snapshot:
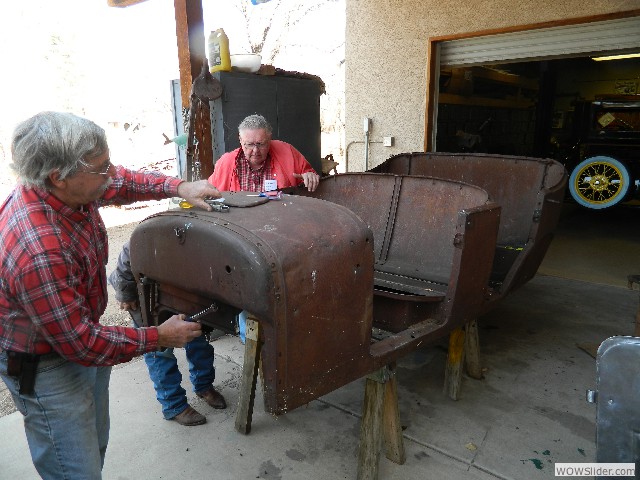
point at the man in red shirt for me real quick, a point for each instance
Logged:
(55, 356)
(262, 164)
(259, 165)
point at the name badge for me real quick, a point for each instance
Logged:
(270, 185)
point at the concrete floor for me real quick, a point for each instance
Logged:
(528, 413)
(595, 246)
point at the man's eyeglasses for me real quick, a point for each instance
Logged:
(104, 171)
(251, 146)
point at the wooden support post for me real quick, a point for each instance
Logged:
(472, 350)
(249, 376)
(455, 359)
(191, 43)
(191, 56)
(379, 418)
(393, 444)
(370, 431)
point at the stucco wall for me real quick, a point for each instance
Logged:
(386, 58)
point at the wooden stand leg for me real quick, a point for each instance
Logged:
(455, 358)
(472, 350)
(370, 431)
(379, 417)
(249, 376)
(394, 446)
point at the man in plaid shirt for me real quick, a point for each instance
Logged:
(55, 356)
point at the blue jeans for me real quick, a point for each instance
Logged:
(166, 377)
(66, 420)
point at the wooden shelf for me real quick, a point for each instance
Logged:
(461, 88)
(453, 99)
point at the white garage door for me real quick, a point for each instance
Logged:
(619, 35)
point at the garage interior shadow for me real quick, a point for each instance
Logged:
(596, 246)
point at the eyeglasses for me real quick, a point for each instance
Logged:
(251, 146)
(105, 171)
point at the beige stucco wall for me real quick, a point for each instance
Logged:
(386, 58)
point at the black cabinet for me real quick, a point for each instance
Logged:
(290, 104)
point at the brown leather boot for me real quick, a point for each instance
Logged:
(189, 417)
(213, 398)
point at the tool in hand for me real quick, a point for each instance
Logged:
(196, 316)
(216, 205)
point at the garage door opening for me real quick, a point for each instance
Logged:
(542, 93)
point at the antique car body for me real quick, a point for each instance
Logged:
(530, 192)
(604, 156)
(308, 268)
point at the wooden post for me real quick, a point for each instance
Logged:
(191, 57)
(379, 418)
(249, 379)
(191, 44)
(370, 431)
(394, 446)
(455, 358)
(472, 350)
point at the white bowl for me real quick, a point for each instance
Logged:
(246, 62)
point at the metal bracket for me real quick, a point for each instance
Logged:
(181, 232)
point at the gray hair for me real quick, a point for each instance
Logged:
(255, 122)
(51, 141)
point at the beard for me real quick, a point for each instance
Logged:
(106, 185)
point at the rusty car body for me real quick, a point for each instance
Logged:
(530, 192)
(319, 276)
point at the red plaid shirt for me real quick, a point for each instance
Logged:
(252, 180)
(53, 287)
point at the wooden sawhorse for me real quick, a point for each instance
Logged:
(380, 416)
(464, 349)
(380, 419)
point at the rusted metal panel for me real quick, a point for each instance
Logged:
(529, 190)
(296, 264)
(307, 269)
(432, 240)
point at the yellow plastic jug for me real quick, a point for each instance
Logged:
(219, 57)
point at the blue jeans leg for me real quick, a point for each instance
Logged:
(200, 355)
(66, 420)
(166, 377)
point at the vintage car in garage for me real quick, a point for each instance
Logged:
(604, 162)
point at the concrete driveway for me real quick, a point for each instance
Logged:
(528, 413)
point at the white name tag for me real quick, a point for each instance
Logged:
(270, 185)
